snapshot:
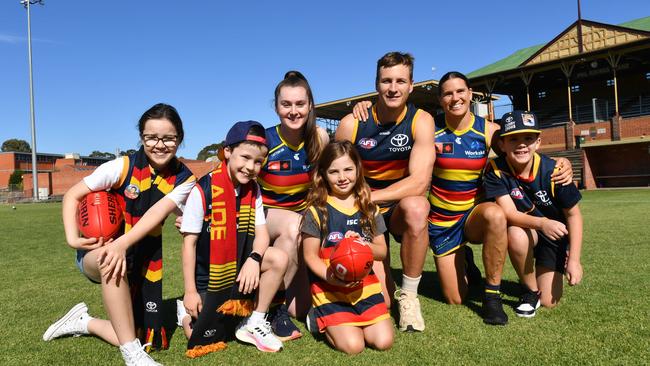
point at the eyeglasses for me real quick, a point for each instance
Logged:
(152, 140)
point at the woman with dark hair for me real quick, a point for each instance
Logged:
(149, 184)
(294, 146)
(457, 215)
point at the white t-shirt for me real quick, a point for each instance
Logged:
(194, 213)
(108, 175)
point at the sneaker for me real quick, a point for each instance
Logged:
(181, 313)
(134, 354)
(311, 323)
(410, 316)
(493, 310)
(282, 325)
(259, 334)
(474, 276)
(72, 323)
(528, 303)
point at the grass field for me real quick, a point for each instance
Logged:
(605, 320)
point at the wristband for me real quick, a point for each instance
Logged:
(256, 257)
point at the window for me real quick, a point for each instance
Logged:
(575, 88)
(610, 82)
(541, 94)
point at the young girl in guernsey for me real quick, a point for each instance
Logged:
(352, 315)
(150, 184)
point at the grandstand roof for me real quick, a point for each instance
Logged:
(526, 55)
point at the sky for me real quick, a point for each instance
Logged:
(98, 65)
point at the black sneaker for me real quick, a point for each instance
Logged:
(282, 325)
(310, 322)
(528, 303)
(493, 310)
(474, 276)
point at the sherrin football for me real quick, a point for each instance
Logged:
(351, 260)
(99, 215)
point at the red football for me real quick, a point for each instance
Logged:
(99, 215)
(351, 260)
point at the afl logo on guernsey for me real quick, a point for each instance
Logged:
(516, 194)
(367, 143)
(335, 237)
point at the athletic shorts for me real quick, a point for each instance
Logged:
(80, 263)
(551, 254)
(444, 240)
(387, 215)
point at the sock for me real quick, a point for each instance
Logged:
(256, 317)
(410, 284)
(84, 320)
(492, 289)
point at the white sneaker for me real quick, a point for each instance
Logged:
(72, 323)
(134, 354)
(181, 313)
(410, 316)
(259, 334)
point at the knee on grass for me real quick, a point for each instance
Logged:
(351, 345)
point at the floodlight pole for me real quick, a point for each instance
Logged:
(27, 3)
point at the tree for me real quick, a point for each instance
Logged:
(127, 152)
(99, 154)
(16, 145)
(16, 179)
(208, 151)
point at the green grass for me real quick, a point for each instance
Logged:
(605, 320)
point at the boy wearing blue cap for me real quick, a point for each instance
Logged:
(544, 220)
(228, 268)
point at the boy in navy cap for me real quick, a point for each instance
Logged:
(544, 220)
(228, 268)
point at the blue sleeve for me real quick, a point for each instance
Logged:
(567, 196)
(493, 185)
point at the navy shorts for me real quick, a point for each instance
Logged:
(445, 239)
(551, 254)
(387, 215)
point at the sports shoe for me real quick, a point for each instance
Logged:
(134, 354)
(72, 323)
(259, 334)
(310, 321)
(410, 316)
(282, 325)
(474, 276)
(493, 310)
(528, 303)
(181, 313)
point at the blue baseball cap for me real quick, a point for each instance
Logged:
(519, 122)
(240, 132)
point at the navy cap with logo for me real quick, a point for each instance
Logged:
(519, 122)
(240, 132)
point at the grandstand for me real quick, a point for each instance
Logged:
(589, 86)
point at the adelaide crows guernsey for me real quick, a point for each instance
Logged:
(536, 194)
(385, 147)
(284, 178)
(461, 156)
